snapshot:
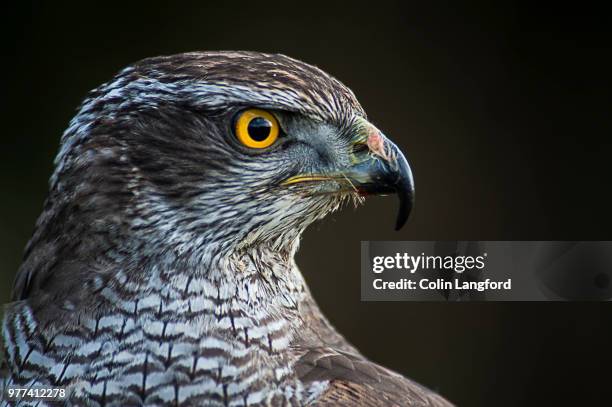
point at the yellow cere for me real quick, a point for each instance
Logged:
(256, 128)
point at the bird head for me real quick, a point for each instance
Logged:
(207, 150)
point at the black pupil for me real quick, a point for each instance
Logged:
(259, 128)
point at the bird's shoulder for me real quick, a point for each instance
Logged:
(353, 380)
(346, 393)
(344, 377)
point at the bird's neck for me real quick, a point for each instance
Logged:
(231, 287)
(239, 294)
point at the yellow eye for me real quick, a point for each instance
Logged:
(256, 128)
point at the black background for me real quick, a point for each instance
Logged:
(502, 111)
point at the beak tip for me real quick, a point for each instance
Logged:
(405, 208)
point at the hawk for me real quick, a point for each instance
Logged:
(161, 270)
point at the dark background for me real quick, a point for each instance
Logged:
(501, 110)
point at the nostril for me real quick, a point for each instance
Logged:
(376, 144)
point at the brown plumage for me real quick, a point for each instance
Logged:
(161, 270)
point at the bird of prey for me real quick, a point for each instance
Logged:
(161, 270)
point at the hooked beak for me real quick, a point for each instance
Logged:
(379, 169)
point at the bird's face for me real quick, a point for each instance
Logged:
(234, 148)
(287, 170)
